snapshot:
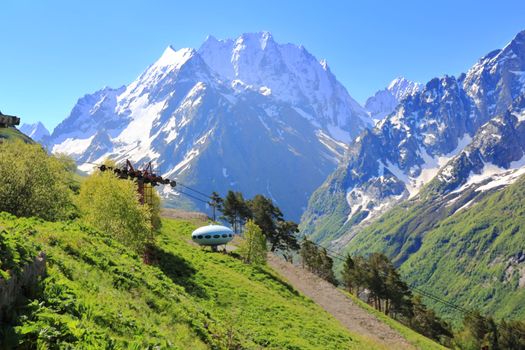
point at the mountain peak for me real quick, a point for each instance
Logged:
(176, 58)
(385, 101)
(396, 82)
(517, 44)
(260, 39)
(36, 131)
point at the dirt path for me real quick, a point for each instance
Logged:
(340, 306)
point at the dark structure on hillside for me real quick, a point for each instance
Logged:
(143, 176)
(8, 120)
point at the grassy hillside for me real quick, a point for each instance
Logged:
(98, 294)
(12, 133)
(474, 257)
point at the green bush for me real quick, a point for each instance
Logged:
(253, 248)
(33, 182)
(112, 205)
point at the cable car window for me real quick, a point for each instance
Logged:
(224, 235)
(207, 236)
(199, 236)
(216, 236)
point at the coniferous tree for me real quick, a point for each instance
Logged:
(317, 261)
(229, 209)
(325, 266)
(279, 233)
(243, 211)
(235, 210)
(286, 239)
(216, 203)
(425, 321)
(348, 274)
(511, 335)
(308, 253)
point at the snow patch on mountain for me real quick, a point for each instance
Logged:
(72, 146)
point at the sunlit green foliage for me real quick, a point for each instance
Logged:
(480, 332)
(416, 339)
(34, 183)
(253, 247)
(15, 252)
(100, 295)
(388, 293)
(112, 205)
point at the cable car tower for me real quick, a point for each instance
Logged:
(146, 178)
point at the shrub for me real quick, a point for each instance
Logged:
(112, 205)
(253, 249)
(33, 182)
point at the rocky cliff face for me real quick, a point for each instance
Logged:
(408, 148)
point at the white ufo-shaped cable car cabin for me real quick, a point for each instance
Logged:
(212, 235)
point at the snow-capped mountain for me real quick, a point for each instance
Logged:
(290, 74)
(248, 114)
(36, 131)
(385, 101)
(429, 133)
(494, 158)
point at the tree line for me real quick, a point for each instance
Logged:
(375, 280)
(481, 332)
(280, 234)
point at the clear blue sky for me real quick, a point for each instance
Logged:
(53, 52)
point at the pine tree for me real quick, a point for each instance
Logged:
(285, 238)
(348, 274)
(308, 253)
(229, 210)
(279, 233)
(216, 203)
(325, 266)
(235, 210)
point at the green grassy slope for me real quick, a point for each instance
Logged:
(474, 257)
(12, 133)
(98, 294)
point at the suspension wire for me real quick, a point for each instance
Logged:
(194, 190)
(192, 196)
